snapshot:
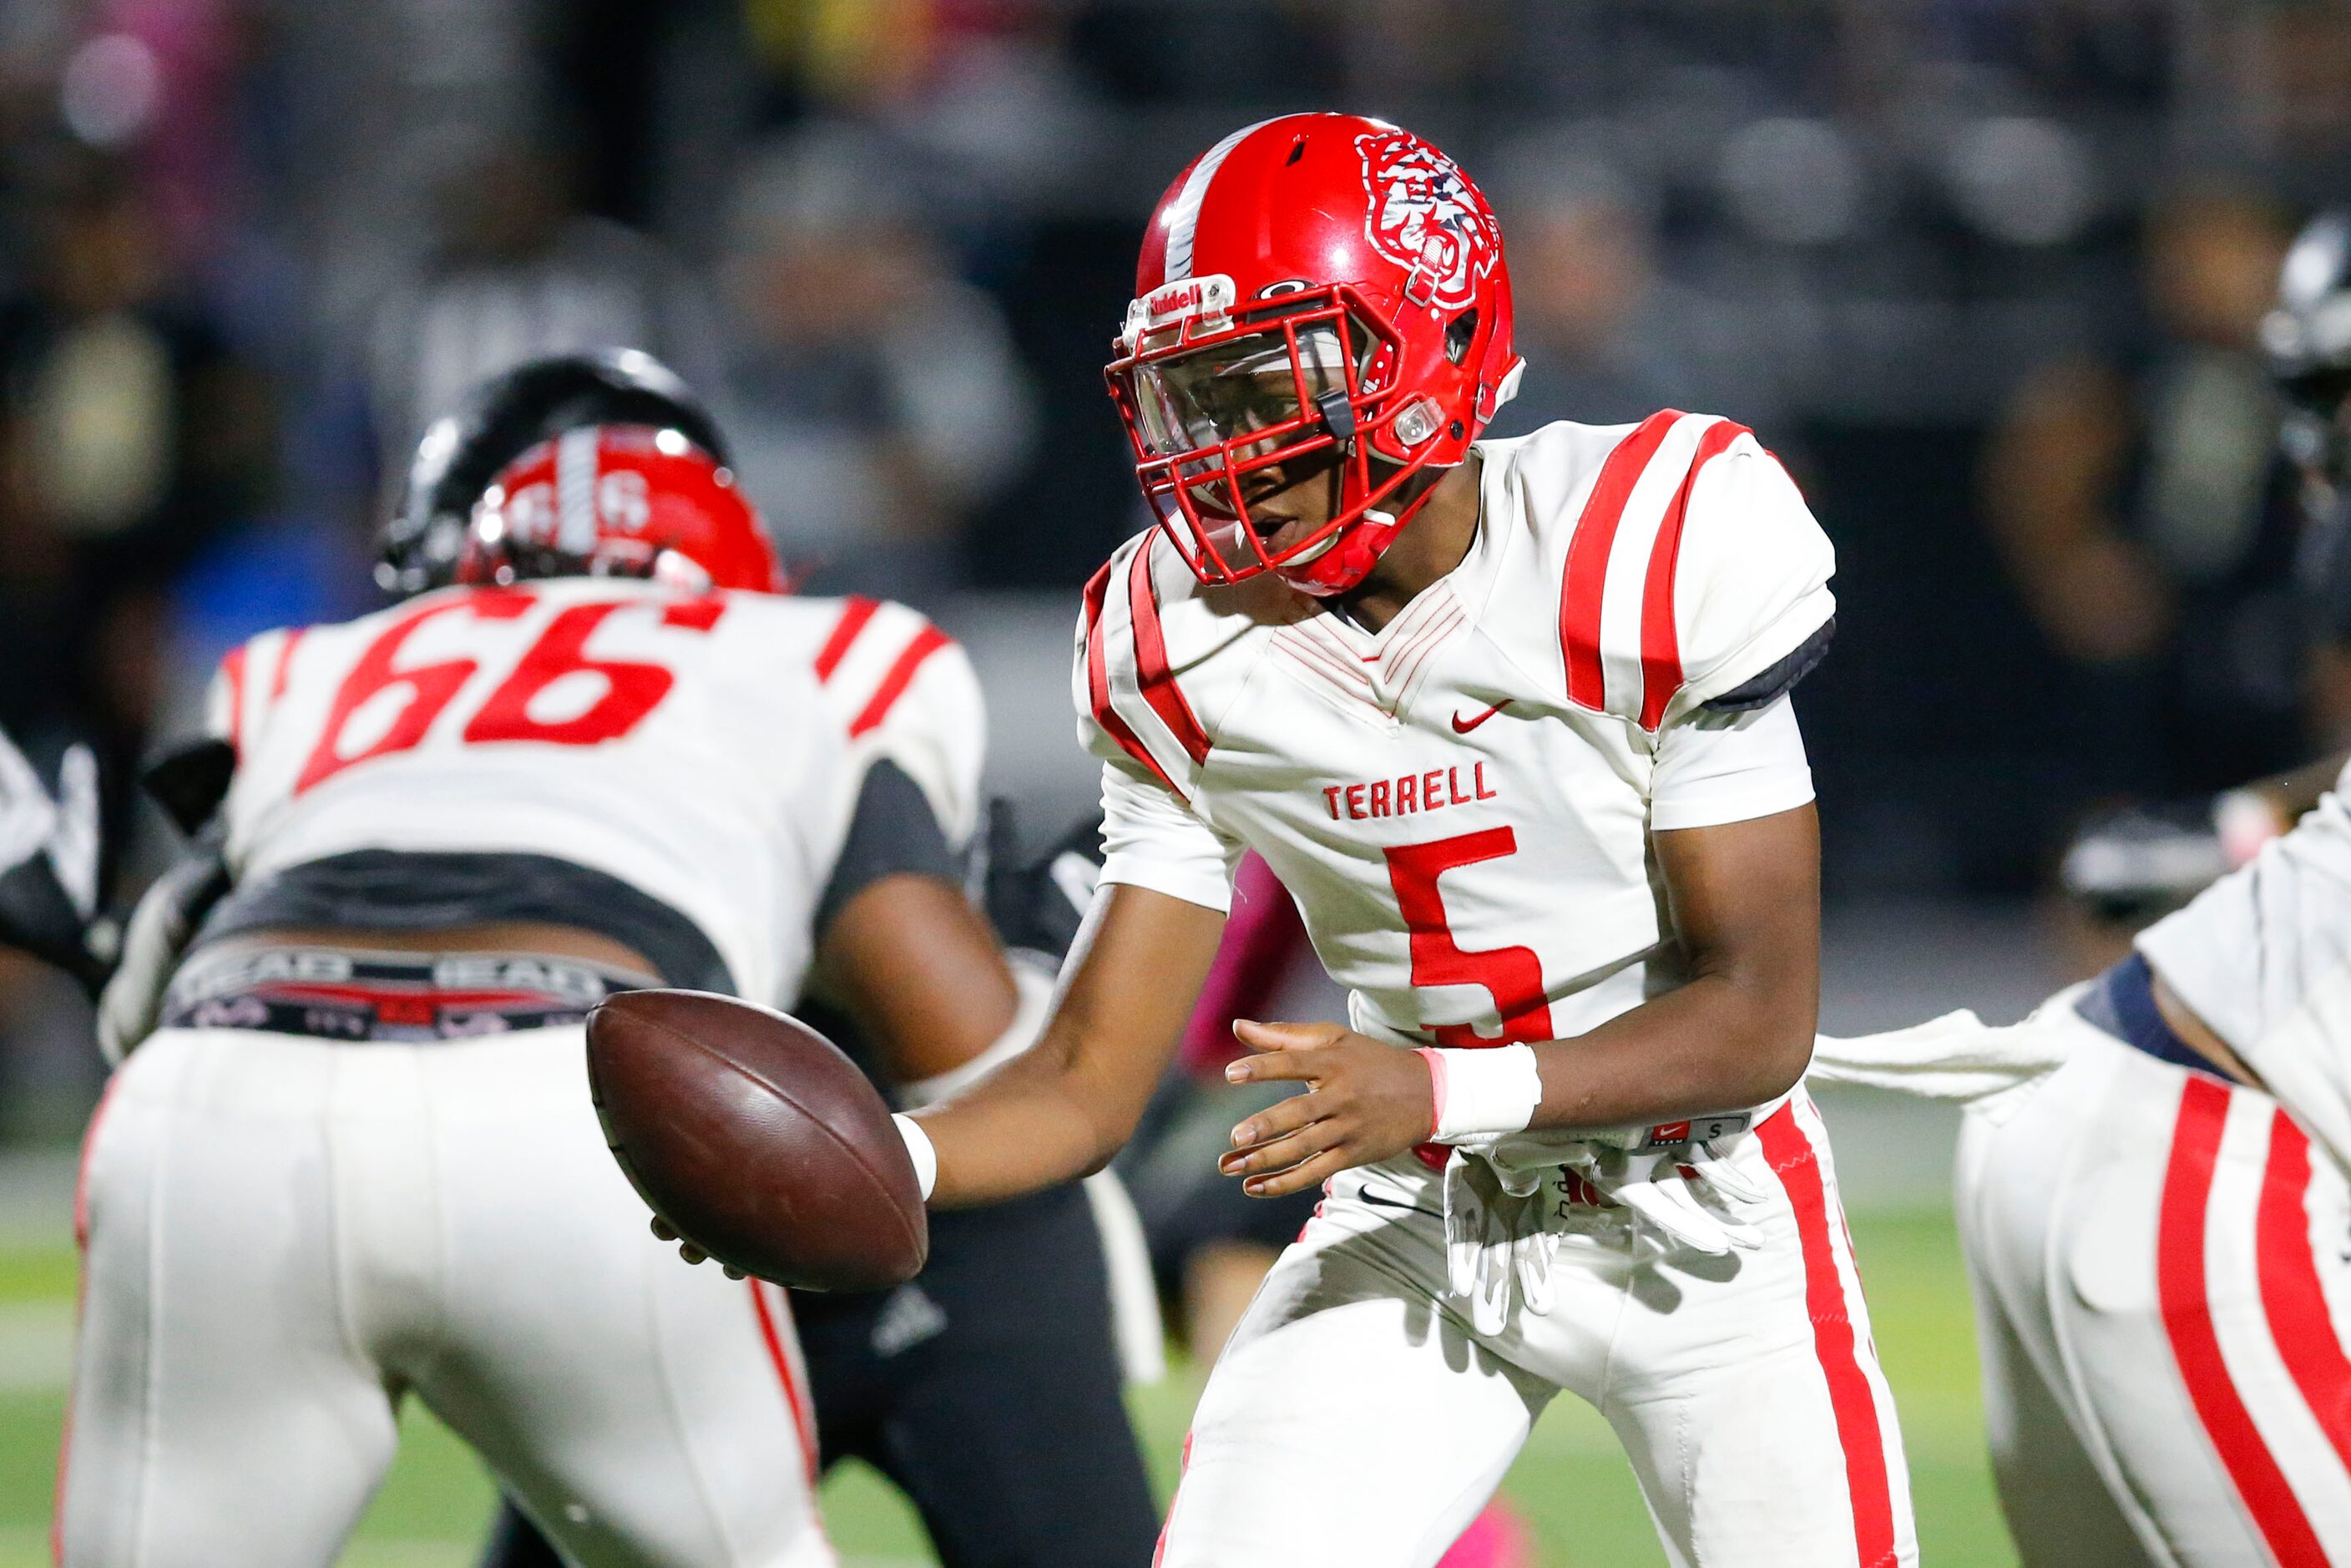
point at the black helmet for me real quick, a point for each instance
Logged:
(501, 419)
(2306, 342)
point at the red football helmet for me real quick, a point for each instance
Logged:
(619, 500)
(1319, 288)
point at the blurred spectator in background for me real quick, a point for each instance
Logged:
(2146, 520)
(875, 401)
(1607, 339)
(517, 270)
(1585, 292)
(130, 439)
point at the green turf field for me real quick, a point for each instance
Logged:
(1570, 1483)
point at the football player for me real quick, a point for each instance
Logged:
(2152, 1185)
(1510, 720)
(358, 1158)
(933, 1384)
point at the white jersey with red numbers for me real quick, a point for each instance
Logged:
(1462, 803)
(1462, 806)
(706, 750)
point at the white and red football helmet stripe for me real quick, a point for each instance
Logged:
(1179, 223)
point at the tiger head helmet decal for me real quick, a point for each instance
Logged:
(1426, 215)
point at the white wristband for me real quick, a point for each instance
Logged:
(919, 1149)
(1484, 1090)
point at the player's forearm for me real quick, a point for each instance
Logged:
(1062, 1108)
(1039, 1120)
(1720, 1042)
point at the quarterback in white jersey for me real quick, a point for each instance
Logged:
(358, 1158)
(1511, 721)
(2154, 1189)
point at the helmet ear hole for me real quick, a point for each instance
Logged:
(1459, 335)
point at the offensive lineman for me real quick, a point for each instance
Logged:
(359, 1160)
(2152, 1184)
(1510, 720)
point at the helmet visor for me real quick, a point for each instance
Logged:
(1247, 386)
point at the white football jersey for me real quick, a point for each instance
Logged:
(708, 751)
(1462, 803)
(2263, 956)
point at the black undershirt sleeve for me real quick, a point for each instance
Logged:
(893, 832)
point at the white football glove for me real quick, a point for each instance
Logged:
(1498, 1243)
(64, 830)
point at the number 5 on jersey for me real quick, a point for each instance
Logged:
(632, 688)
(1512, 976)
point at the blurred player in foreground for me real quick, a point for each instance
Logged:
(358, 1157)
(2155, 1168)
(934, 1384)
(1511, 721)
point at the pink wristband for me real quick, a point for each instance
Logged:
(1436, 1060)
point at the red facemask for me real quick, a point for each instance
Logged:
(1321, 299)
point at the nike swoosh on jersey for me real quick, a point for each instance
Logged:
(1460, 727)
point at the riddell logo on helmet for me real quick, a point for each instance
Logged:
(1176, 299)
(1207, 298)
(1425, 216)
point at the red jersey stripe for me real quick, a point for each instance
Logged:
(1851, 1400)
(2180, 1291)
(1427, 629)
(700, 614)
(284, 663)
(855, 614)
(1098, 683)
(927, 641)
(1151, 671)
(233, 671)
(2291, 1294)
(794, 1400)
(1586, 580)
(1409, 670)
(1343, 672)
(1661, 653)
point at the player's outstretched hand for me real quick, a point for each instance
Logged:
(1364, 1101)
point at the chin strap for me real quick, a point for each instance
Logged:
(1346, 546)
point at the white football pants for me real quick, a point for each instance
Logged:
(1356, 1421)
(2162, 1297)
(284, 1236)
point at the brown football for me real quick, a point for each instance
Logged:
(757, 1140)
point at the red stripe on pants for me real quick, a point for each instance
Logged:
(82, 1289)
(2186, 1306)
(1851, 1400)
(793, 1398)
(1159, 1549)
(2291, 1295)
